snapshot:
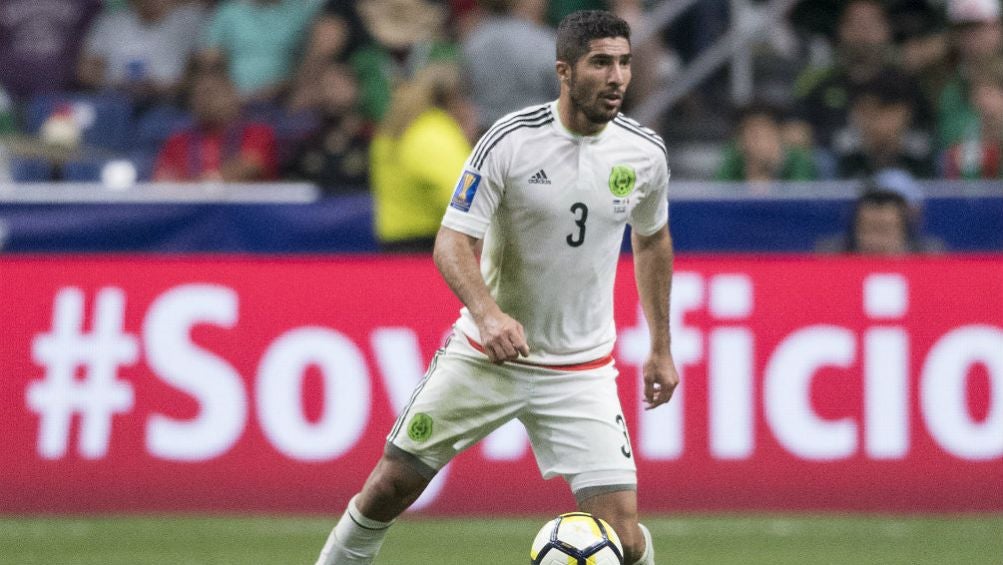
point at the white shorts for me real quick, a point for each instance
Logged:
(573, 417)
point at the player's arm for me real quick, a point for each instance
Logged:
(653, 258)
(502, 337)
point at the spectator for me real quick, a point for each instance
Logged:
(882, 135)
(8, 126)
(335, 157)
(864, 50)
(143, 49)
(629, 10)
(464, 15)
(39, 43)
(921, 34)
(417, 155)
(882, 223)
(758, 153)
(8, 113)
(981, 156)
(336, 33)
(218, 147)
(975, 35)
(385, 42)
(259, 40)
(510, 59)
(698, 27)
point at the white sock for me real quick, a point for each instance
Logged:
(355, 540)
(648, 557)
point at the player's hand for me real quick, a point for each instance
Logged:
(502, 337)
(660, 380)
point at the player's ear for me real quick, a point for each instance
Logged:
(563, 71)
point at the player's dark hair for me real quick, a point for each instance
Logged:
(577, 29)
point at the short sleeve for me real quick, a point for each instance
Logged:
(478, 191)
(651, 212)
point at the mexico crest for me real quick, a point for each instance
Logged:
(621, 180)
(420, 427)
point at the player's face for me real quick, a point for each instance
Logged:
(598, 80)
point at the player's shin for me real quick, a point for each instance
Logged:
(648, 557)
(355, 540)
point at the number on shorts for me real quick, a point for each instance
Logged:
(625, 448)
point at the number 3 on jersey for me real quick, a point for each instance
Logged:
(581, 212)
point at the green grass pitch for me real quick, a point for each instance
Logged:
(740, 539)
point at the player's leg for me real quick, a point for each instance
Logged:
(619, 509)
(394, 484)
(461, 400)
(578, 431)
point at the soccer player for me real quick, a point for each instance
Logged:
(549, 190)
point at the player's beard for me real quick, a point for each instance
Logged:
(589, 102)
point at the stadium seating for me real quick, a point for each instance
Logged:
(84, 170)
(144, 161)
(157, 124)
(23, 169)
(153, 128)
(105, 120)
(291, 128)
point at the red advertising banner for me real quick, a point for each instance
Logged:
(140, 383)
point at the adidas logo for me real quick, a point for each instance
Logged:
(539, 178)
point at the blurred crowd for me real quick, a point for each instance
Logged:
(910, 86)
(387, 96)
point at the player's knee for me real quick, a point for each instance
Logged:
(407, 491)
(386, 490)
(397, 488)
(407, 482)
(391, 489)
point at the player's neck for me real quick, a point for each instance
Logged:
(574, 120)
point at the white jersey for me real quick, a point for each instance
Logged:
(551, 207)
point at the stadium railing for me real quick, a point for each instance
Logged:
(295, 218)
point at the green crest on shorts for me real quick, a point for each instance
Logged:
(621, 180)
(420, 427)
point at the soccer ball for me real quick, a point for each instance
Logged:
(576, 538)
